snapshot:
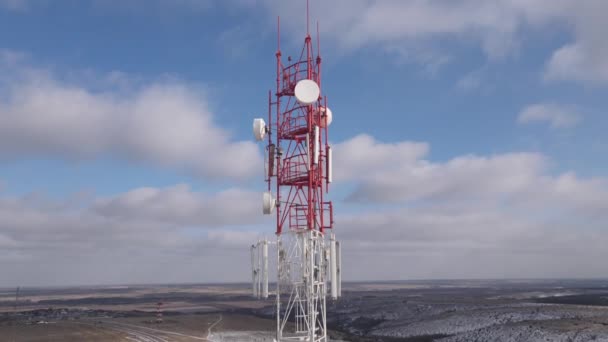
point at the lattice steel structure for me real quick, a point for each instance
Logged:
(159, 312)
(298, 174)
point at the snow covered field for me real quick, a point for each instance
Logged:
(522, 312)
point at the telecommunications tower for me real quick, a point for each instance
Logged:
(298, 172)
(159, 312)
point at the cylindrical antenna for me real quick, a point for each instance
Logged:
(333, 262)
(307, 21)
(271, 158)
(329, 166)
(278, 33)
(270, 129)
(339, 269)
(316, 146)
(257, 270)
(253, 272)
(265, 269)
(318, 41)
(307, 152)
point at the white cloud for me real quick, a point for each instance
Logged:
(179, 205)
(576, 62)
(388, 172)
(363, 155)
(400, 172)
(127, 238)
(414, 29)
(165, 123)
(557, 116)
(498, 27)
(439, 218)
(532, 239)
(585, 59)
(494, 24)
(505, 215)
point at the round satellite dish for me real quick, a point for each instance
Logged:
(326, 117)
(259, 129)
(307, 91)
(268, 202)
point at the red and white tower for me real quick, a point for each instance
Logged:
(298, 172)
(159, 312)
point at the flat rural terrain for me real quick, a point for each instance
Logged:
(523, 310)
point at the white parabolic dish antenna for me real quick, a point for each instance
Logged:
(259, 129)
(268, 203)
(326, 117)
(307, 91)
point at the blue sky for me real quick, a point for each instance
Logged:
(190, 44)
(476, 113)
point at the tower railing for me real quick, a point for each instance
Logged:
(295, 169)
(292, 74)
(293, 123)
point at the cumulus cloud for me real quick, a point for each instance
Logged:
(415, 29)
(171, 234)
(179, 205)
(464, 239)
(585, 59)
(439, 218)
(388, 172)
(165, 123)
(521, 180)
(362, 154)
(503, 215)
(555, 115)
(498, 27)
(357, 23)
(126, 238)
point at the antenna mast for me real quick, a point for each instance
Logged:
(298, 172)
(17, 297)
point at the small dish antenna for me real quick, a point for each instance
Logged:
(307, 91)
(326, 117)
(269, 202)
(259, 129)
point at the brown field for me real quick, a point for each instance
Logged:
(445, 311)
(142, 328)
(62, 331)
